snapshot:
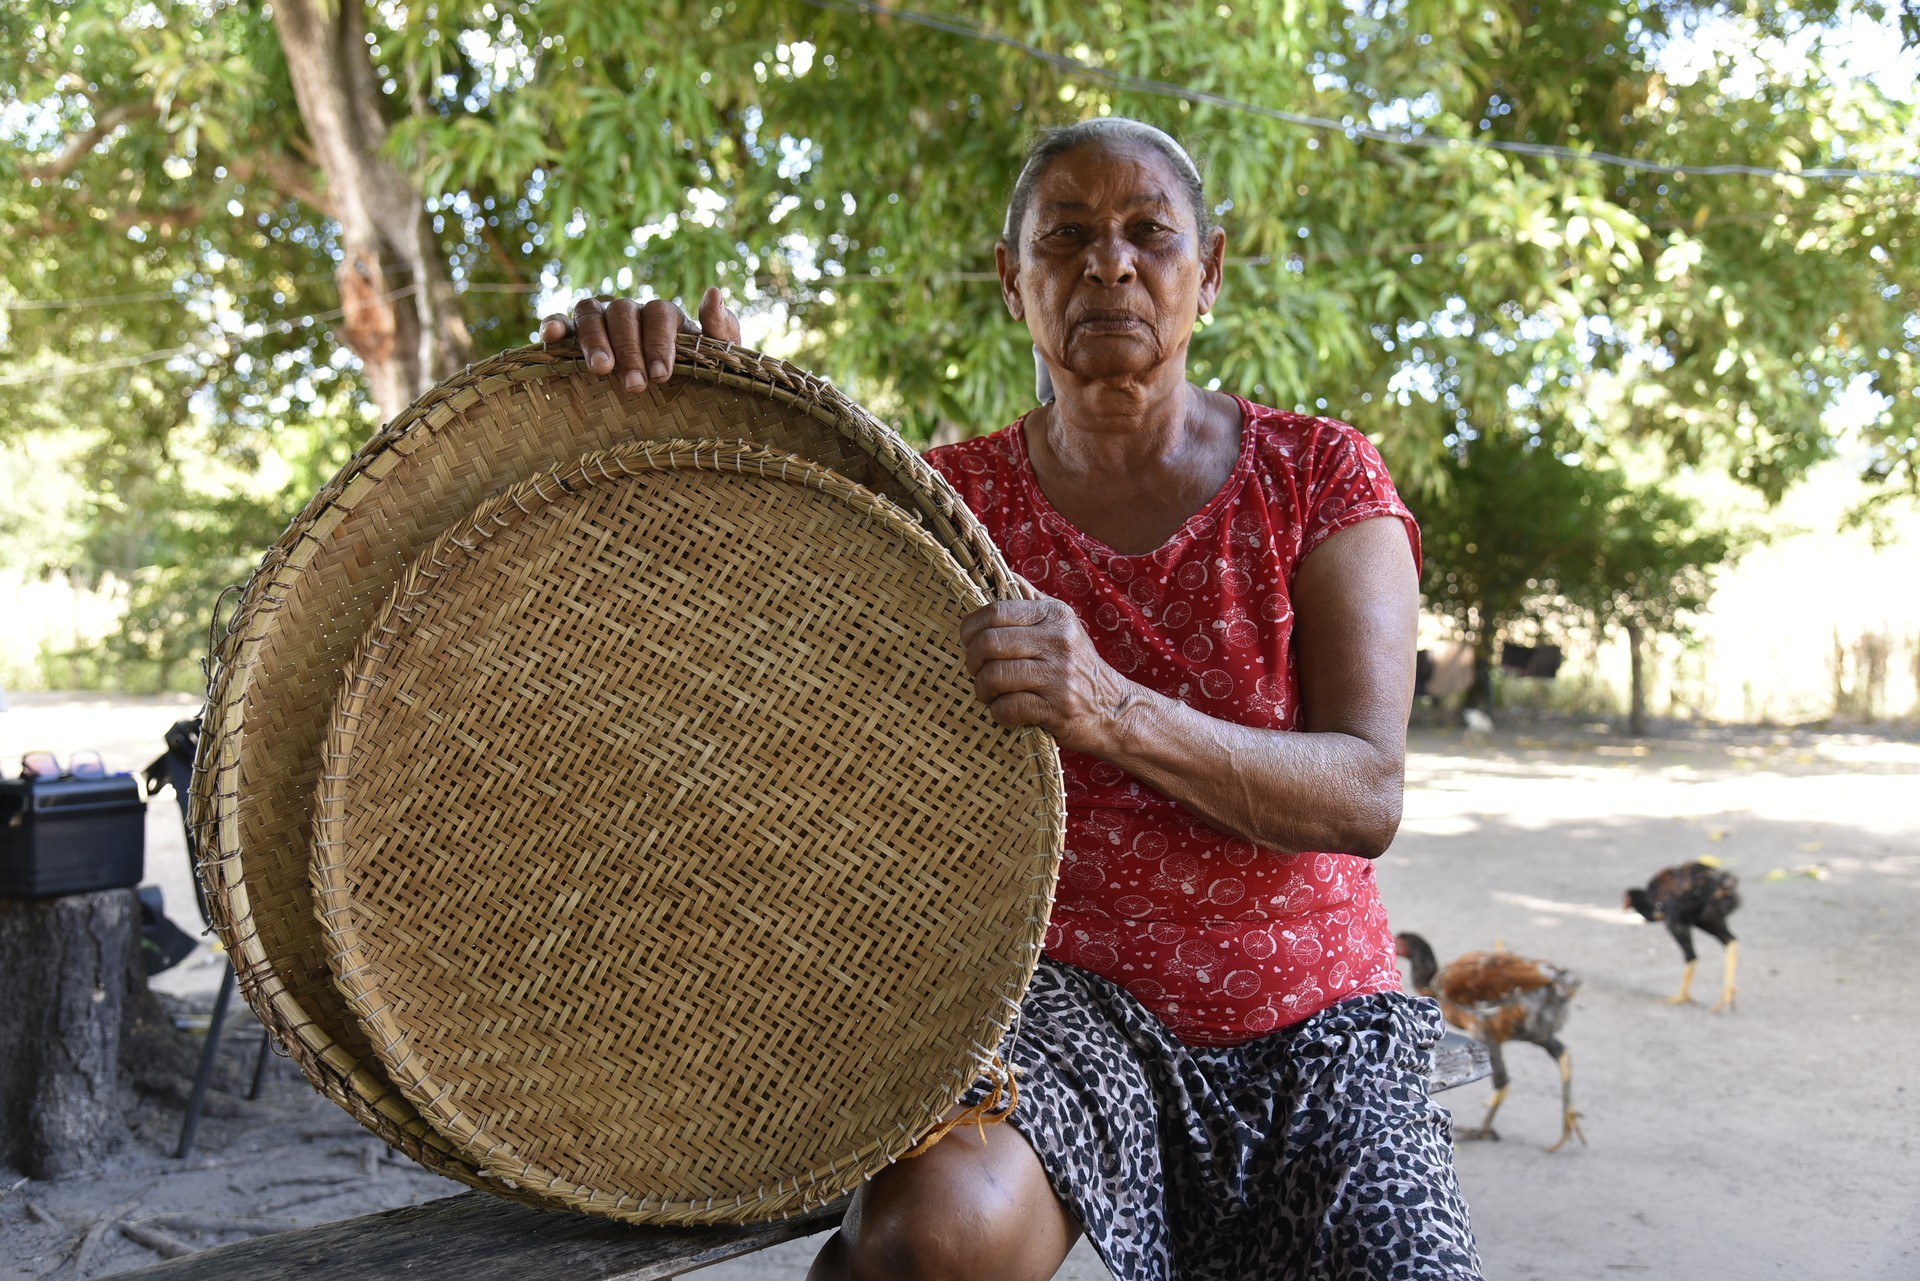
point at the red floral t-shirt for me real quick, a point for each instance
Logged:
(1223, 940)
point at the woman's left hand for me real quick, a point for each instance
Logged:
(1034, 664)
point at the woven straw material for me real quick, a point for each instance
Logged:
(662, 847)
(278, 666)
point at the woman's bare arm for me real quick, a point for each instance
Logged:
(1333, 784)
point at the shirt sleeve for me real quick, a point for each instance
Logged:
(1345, 483)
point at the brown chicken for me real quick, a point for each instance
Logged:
(1496, 997)
(1691, 896)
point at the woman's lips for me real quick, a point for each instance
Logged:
(1108, 322)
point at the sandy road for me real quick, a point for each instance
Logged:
(1781, 1140)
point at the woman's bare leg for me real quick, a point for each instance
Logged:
(964, 1211)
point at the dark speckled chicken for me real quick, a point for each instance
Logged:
(1496, 997)
(1690, 896)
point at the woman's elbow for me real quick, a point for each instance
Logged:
(1375, 818)
(1377, 830)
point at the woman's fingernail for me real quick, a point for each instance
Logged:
(634, 382)
(658, 370)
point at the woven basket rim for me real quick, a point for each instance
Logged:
(357, 975)
(363, 1089)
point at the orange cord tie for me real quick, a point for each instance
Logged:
(992, 1110)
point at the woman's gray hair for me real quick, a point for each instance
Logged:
(1102, 131)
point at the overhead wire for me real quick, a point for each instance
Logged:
(1116, 79)
(207, 345)
(108, 300)
(1303, 257)
(1347, 128)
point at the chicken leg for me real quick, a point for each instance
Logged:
(1498, 1062)
(1569, 1119)
(1685, 995)
(1726, 979)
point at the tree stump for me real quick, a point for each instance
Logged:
(63, 981)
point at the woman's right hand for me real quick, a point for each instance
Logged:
(634, 341)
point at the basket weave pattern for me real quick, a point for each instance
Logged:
(666, 998)
(300, 618)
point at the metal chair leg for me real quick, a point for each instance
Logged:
(260, 1063)
(204, 1077)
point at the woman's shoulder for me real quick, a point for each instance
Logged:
(1306, 444)
(1283, 430)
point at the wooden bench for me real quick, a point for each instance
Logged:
(475, 1235)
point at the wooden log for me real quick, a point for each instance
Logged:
(462, 1237)
(63, 968)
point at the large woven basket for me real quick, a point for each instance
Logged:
(661, 845)
(278, 666)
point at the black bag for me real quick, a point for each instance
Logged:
(71, 835)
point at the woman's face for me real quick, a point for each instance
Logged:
(1111, 273)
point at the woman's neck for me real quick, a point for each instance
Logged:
(1101, 428)
(1131, 472)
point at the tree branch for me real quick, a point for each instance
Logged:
(82, 144)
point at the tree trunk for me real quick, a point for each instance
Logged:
(1480, 693)
(401, 316)
(63, 968)
(1637, 704)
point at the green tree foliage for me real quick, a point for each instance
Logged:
(1520, 532)
(1508, 522)
(848, 167)
(1652, 574)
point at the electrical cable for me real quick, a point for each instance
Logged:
(150, 357)
(1397, 137)
(108, 300)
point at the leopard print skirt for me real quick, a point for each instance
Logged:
(1313, 1154)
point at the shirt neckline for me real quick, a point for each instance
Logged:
(1222, 497)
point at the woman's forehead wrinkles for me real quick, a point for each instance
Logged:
(1066, 203)
(1070, 204)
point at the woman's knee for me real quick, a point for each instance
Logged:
(953, 1216)
(955, 1236)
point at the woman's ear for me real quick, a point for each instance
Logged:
(1213, 269)
(1009, 268)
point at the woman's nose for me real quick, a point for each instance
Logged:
(1110, 261)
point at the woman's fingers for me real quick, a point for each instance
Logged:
(589, 326)
(1014, 675)
(629, 354)
(1013, 613)
(716, 320)
(637, 342)
(661, 324)
(1033, 663)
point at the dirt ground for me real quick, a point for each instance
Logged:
(1782, 1139)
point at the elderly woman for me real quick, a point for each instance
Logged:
(1219, 1075)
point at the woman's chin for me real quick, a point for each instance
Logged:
(1101, 359)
